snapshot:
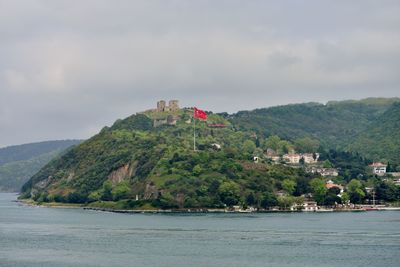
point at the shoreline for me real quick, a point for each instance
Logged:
(57, 205)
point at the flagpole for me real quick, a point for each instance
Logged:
(194, 133)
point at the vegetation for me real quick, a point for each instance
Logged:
(19, 163)
(381, 141)
(135, 165)
(368, 127)
(160, 166)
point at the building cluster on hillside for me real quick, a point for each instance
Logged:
(271, 154)
(380, 169)
(295, 158)
(308, 158)
(292, 157)
(325, 172)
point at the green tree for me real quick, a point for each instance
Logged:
(387, 191)
(257, 143)
(95, 196)
(327, 164)
(272, 142)
(269, 200)
(121, 191)
(107, 188)
(331, 197)
(285, 147)
(286, 202)
(249, 146)
(306, 145)
(355, 190)
(299, 202)
(318, 189)
(197, 170)
(229, 193)
(345, 197)
(289, 186)
(250, 199)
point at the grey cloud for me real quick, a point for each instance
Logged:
(68, 68)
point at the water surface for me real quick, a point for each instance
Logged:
(33, 236)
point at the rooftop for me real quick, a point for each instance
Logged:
(378, 164)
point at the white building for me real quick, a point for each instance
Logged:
(271, 154)
(216, 146)
(310, 206)
(378, 168)
(294, 158)
(325, 172)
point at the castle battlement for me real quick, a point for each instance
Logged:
(173, 105)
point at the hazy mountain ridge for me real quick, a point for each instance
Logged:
(19, 163)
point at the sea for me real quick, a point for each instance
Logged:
(38, 236)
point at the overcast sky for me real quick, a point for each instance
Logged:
(67, 68)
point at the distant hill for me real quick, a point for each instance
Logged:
(19, 163)
(380, 140)
(342, 125)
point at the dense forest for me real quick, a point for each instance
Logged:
(381, 139)
(135, 165)
(369, 127)
(19, 163)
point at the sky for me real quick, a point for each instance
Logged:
(68, 68)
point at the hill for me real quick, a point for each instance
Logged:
(380, 140)
(158, 165)
(19, 163)
(147, 160)
(341, 125)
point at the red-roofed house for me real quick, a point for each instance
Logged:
(331, 184)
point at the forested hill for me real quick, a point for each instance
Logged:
(157, 164)
(344, 125)
(19, 163)
(149, 156)
(381, 139)
(31, 150)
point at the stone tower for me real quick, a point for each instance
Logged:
(161, 106)
(173, 105)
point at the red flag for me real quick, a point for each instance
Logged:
(200, 114)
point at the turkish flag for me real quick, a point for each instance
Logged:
(200, 114)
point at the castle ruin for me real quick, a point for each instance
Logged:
(173, 105)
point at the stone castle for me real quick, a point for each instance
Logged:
(173, 105)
